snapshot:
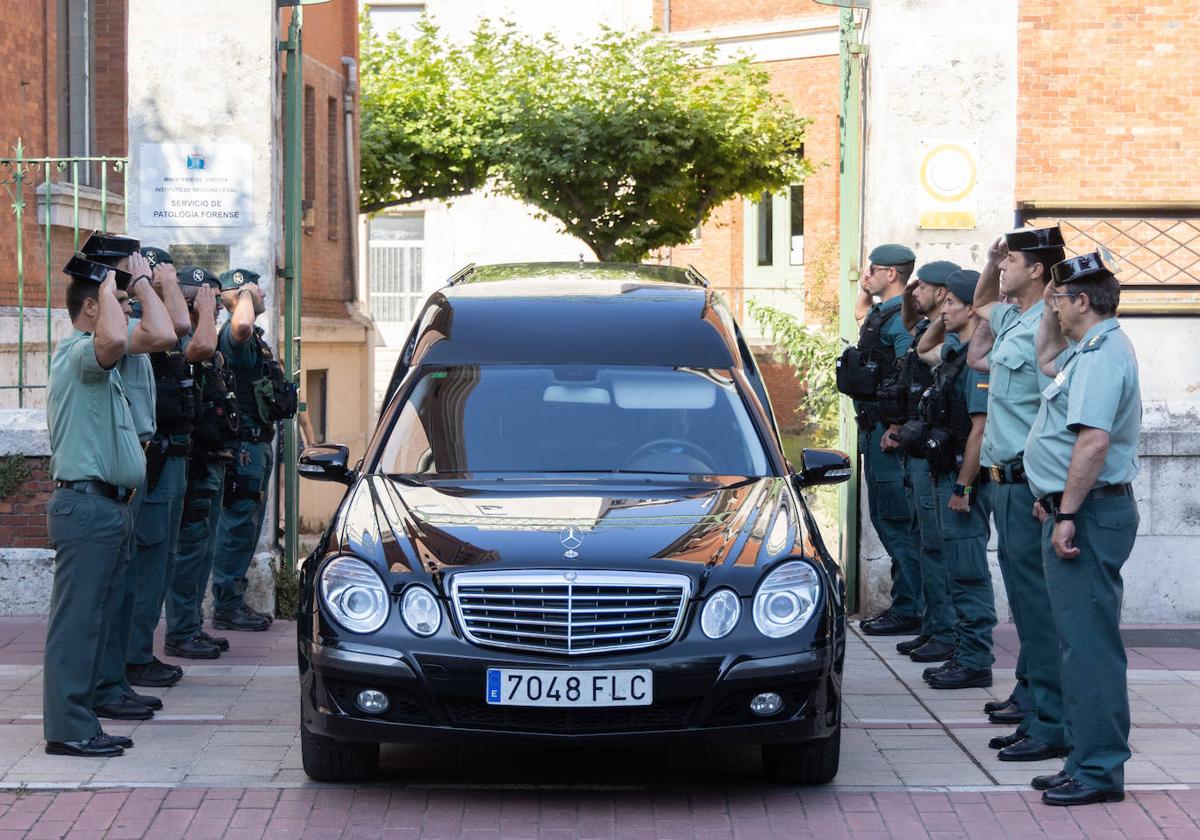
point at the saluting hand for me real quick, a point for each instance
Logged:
(206, 300)
(997, 251)
(108, 286)
(1063, 539)
(163, 273)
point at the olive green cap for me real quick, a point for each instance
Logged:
(935, 273)
(235, 278)
(194, 275)
(154, 256)
(892, 255)
(962, 284)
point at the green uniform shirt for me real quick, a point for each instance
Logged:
(92, 434)
(1016, 382)
(893, 334)
(1097, 387)
(137, 376)
(237, 356)
(970, 385)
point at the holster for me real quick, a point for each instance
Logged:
(156, 459)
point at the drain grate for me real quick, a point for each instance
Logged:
(1164, 637)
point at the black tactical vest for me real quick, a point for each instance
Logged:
(175, 398)
(264, 394)
(944, 409)
(900, 394)
(218, 419)
(862, 368)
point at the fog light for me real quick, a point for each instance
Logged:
(766, 704)
(374, 702)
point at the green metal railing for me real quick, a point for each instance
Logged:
(15, 173)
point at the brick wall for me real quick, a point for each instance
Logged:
(785, 391)
(109, 87)
(23, 511)
(701, 14)
(1111, 84)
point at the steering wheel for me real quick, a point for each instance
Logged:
(695, 450)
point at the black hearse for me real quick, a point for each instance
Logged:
(574, 523)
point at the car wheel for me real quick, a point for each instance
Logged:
(811, 763)
(327, 760)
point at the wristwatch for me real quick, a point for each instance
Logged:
(1060, 516)
(962, 489)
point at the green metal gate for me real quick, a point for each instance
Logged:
(50, 175)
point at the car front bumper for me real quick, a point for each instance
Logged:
(436, 696)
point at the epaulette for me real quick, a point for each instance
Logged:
(1093, 342)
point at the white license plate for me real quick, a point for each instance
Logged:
(520, 687)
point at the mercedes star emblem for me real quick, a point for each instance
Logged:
(571, 539)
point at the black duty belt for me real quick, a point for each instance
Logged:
(177, 450)
(99, 488)
(1010, 473)
(1051, 502)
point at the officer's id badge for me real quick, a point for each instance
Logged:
(198, 276)
(239, 278)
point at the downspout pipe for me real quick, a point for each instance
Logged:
(348, 95)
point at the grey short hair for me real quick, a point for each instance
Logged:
(1103, 295)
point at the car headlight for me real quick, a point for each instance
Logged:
(787, 599)
(420, 611)
(354, 595)
(720, 614)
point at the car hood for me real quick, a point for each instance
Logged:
(442, 526)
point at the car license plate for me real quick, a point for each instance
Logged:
(569, 689)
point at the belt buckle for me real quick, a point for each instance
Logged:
(996, 473)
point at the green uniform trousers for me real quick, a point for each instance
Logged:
(91, 537)
(964, 542)
(939, 619)
(153, 512)
(1085, 595)
(240, 524)
(195, 548)
(894, 519)
(1019, 539)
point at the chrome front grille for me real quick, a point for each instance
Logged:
(570, 612)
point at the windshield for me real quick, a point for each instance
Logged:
(571, 418)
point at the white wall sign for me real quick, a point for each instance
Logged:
(195, 184)
(946, 197)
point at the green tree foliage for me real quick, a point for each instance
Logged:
(812, 350)
(629, 140)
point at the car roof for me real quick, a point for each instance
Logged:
(577, 313)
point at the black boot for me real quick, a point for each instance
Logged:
(1051, 780)
(239, 619)
(147, 700)
(123, 708)
(1031, 749)
(219, 642)
(992, 705)
(1077, 793)
(891, 625)
(932, 651)
(1002, 741)
(193, 648)
(1012, 713)
(153, 673)
(912, 644)
(960, 676)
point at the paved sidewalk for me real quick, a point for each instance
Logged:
(222, 760)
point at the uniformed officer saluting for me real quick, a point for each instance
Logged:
(899, 402)
(264, 398)
(214, 433)
(861, 370)
(96, 462)
(1018, 267)
(955, 409)
(1080, 457)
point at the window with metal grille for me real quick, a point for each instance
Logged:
(396, 246)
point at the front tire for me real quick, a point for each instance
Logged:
(327, 760)
(810, 763)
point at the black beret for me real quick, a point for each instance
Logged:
(1034, 239)
(1097, 265)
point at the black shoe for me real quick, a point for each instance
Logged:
(123, 709)
(1002, 741)
(1051, 780)
(1031, 749)
(912, 644)
(219, 642)
(891, 625)
(239, 619)
(885, 614)
(939, 669)
(153, 674)
(95, 747)
(960, 676)
(932, 651)
(147, 700)
(119, 740)
(177, 669)
(270, 619)
(994, 705)
(1077, 793)
(193, 648)
(1009, 714)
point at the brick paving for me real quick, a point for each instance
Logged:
(222, 761)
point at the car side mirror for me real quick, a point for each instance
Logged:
(823, 466)
(326, 462)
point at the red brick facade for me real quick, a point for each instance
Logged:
(23, 511)
(701, 14)
(1106, 105)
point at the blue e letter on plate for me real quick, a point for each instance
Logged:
(493, 685)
